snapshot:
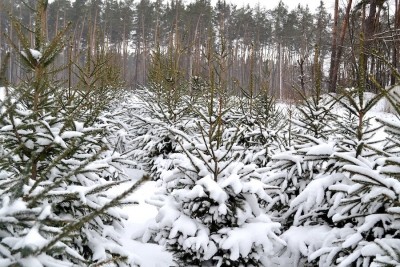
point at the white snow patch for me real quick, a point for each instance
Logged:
(148, 254)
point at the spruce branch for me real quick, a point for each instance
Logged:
(85, 219)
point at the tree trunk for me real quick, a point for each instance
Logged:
(336, 64)
(396, 42)
(280, 71)
(369, 30)
(332, 86)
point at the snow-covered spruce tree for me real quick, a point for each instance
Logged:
(383, 188)
(363, 209)
(360, 197)
(371, 204)
(166, 102)
(263, 123)
(311, 173)
(306, 158)
(213, 209)
(148, 121)
(54, 170)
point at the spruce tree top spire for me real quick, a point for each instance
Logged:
(37, 57)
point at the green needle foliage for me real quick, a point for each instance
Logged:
(55, 169)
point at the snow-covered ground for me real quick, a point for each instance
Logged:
(148, 254)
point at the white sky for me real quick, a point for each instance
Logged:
(312, 4)
(270, 4)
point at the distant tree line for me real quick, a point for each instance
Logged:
(260, 49)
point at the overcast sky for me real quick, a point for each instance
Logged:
(270, 4)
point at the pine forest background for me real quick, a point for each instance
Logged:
(255, 46)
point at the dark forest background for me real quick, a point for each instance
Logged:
(256, 49)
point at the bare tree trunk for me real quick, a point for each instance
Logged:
(332, 85)
(1, 35)
(280, 71)
(144, 55)
(10, 62)
(369, 26)
(300, 61)
(368, 30)
(191, 52)
(396, 42)
(343, 29)
(137, 61)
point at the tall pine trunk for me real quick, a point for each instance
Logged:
(338, 55)
(396, 42)
(332, 86)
